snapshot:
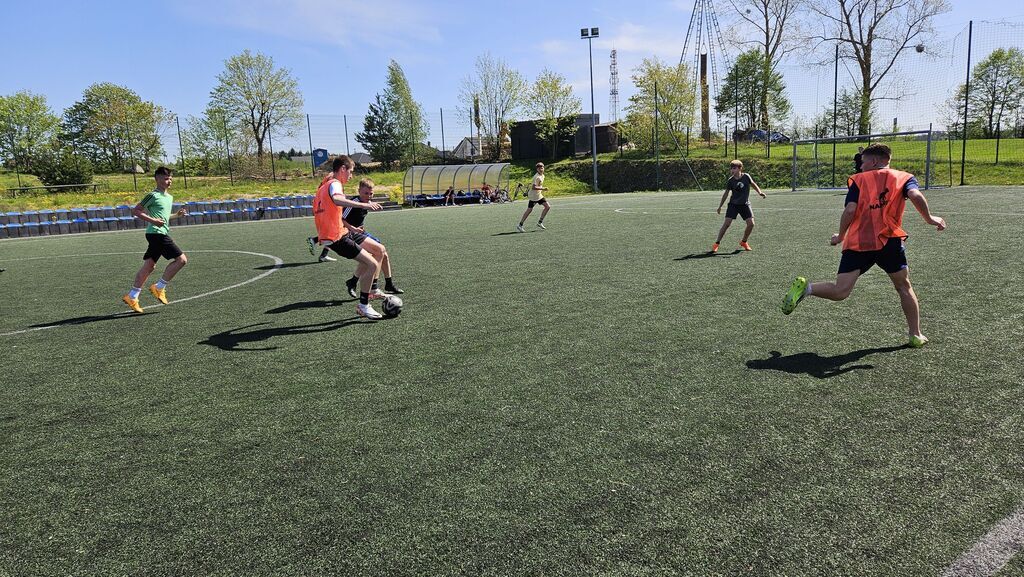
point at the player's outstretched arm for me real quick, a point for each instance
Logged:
(340, 200)
(921, 204)
(758, 189)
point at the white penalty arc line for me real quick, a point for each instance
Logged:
(277, 265)
(993, 551)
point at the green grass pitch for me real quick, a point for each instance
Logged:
(598, 398)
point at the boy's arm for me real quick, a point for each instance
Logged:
(758, 188)
(844, 222)
(921, 204)
(725, 195)
(340, 200)
(140, 213)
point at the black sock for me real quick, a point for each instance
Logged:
(374, 286)
(315, 239)
(324, 253)
(364, 298)
(352, 281)
(388, 281)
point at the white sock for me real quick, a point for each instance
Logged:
(807, 291)
(161, 284)
(134, 293)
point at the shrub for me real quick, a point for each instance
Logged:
(62, 168)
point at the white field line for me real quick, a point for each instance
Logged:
(993, 551)
(277, 265)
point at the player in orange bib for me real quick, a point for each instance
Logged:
(871, 231)
(332, 232)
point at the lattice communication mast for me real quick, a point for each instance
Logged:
(613, 91)
(704, 36)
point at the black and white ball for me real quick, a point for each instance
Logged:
(392, 306)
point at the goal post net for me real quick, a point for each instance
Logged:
(826, 163)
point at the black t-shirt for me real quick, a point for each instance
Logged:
(740, 188)
(354, 216)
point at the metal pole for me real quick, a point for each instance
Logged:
(227, 146)
(967, 98)
(835, 115)
(657, 144)
(344, 119)
(181, 152)
(687, 140)
(928, 159)
(270, 137)
(999, 131)
(17, 170)
(793, 185)
(412, 133)
(593, 115)
(131, 155)
(444, 155)
(736, 115)
(312, 163)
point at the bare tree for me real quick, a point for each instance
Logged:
(501, 92)
(874, 34)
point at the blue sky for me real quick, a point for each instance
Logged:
(171, 52)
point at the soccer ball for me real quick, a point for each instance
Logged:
(919, 48)
(392, 306)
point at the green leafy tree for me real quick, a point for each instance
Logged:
(27, 125)
(847, 115)
(108, 119)
(997, 91)
(676, 104)
(381, 135)
(408, 114)
(63, 167)
(745, 88)
(256, 97)
(552, 102)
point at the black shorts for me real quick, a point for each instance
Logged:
(742, 210)
(357, 237)
(160, 245)
(891, 258)
(346, 247)
(542, 200)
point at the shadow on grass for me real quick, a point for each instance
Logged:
(513, 232)
(307, 305)
(231, 340)
(286, 265)
(89, 319)
(816, 365)
(709, 254)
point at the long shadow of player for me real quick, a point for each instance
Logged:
(231, 339)
(511, 232)
(306, 305)
(285, 265)
(709, 254)
(89, 319)
(816, 365)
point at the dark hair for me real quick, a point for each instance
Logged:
(162, 171)
(878, 151)
(340, 161)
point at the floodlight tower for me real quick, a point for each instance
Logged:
(704, 37)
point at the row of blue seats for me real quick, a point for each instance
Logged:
(109, 223)
(124, 210)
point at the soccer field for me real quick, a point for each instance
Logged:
(599, 398)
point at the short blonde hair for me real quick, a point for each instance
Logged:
(737, 163)
(539, 165)
(366, 183)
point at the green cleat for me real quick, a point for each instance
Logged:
(918, 341)
(795, 295)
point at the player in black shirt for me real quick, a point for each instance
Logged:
(739, 203)
(354, 218)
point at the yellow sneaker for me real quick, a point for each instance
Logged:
(132, 303)
(160, 294)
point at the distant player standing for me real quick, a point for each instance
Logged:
(536, 196)
(155, 208)
(871, 230)
(333, 233)
(737, 190)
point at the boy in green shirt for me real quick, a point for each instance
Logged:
(155, 208)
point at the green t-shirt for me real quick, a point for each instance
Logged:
(158, 205)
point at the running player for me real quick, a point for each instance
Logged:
(536, 196)
(871, 231)
(155, 208)
(354, 218)
(333, 233)
(738, 186)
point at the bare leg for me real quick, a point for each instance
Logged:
(748, 230)
(721, 231)
(908, 300)
(526, 214)
(173, 268)
(544, 212)
(144, 272)
(365, 270)
(838, 290)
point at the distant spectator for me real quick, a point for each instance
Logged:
(857, 160)
(449, 195)
(486, 193)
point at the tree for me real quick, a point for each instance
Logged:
(26, 125)
(847, 114)
(874, 34)
(109, 118)
(257, 97)
(501, 92)
(409, 119)
(997, 90)
(676, 103)
(745, 85)
(553, 103)
(381, 135)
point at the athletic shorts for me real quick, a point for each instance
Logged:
(891, 258)
(540, 200)
(160, 245)
(345, 247)
(743, 210)
(357, 237)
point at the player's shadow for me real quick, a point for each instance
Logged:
(89, 319)
(816, 365)
(709, 254)
(286, 265)
(231, 340)
(306, 305)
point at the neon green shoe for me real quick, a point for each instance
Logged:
(918, 341)
(795, 295)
